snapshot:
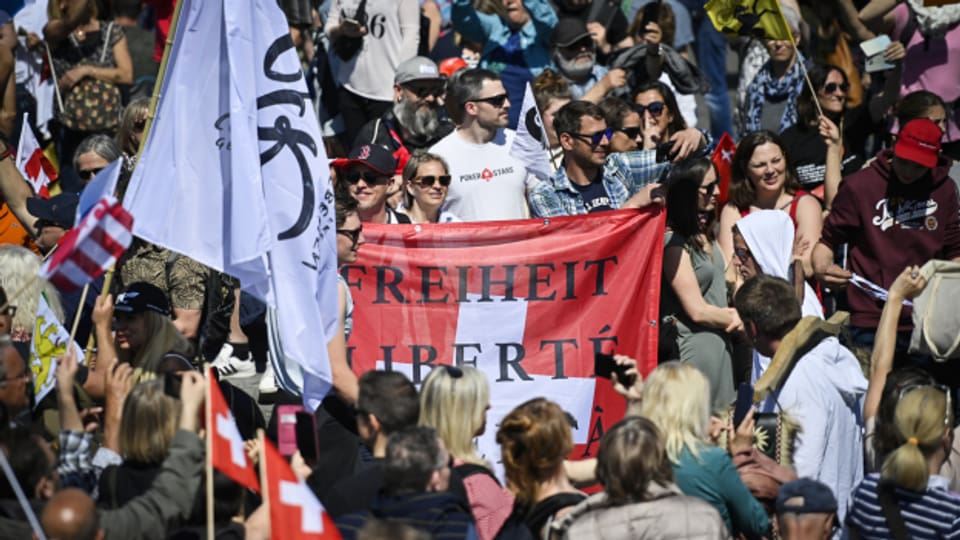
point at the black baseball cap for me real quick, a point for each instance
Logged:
(59, 210)
(374, 156)
(806, 496)
(142, 296)
(568, 31)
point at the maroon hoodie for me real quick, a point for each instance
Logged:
(888, 226)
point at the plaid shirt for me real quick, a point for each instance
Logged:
(623, 175)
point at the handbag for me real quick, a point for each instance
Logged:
(92, 105)
(936, 320)
(774, 435)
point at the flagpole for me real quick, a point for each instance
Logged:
(264, 486)
(53, 75)
(208, 425)
(806, 77)
(76, 317)
(174, 20)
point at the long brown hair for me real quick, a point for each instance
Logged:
(742, 191)
(534, 438)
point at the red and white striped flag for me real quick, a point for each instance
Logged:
(91, 247)
(33, 164)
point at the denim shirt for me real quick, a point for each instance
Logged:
(493, 32)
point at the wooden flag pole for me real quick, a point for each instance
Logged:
(31, 281)
(175, 19)
(76, 317)
(209, 428)
(264, 486)
(806, 77)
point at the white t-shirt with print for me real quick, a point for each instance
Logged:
(487, 183)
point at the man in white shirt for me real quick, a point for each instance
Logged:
(488, 183)
(824, 391)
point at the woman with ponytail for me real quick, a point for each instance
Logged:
(535, 438)
(914, 500)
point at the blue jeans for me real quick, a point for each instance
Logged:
(711, 48)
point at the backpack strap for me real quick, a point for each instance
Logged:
(106, 42)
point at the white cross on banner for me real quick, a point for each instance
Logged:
(227, 430)
(528, 304)
(297, 494)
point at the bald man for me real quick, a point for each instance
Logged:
(71, 515)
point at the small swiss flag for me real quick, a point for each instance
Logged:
(295, 511)
(226, 445)
(723, 159)
(36, 169)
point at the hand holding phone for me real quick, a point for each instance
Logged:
(605, 366)
(307, 443)
(287, 429)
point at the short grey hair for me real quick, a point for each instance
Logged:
(100, 144)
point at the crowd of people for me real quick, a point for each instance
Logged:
(789, 399)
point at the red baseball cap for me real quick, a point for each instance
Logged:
(919, 142)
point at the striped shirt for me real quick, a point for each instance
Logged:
(931, 514)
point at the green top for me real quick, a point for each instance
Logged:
(714, 479)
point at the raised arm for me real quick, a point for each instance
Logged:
(74, 13)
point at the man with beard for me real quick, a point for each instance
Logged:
(592, 179)
(575, 55)
(415, 122)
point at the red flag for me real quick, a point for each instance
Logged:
(295, 511)
(527, 302)
(723, 159)
(226, 445)
(33, 164)
(90, 247)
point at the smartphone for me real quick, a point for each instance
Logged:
(171, 385)
(744, 402)
(604, 366)
(287, 429)
(306, 434)
(665, 152)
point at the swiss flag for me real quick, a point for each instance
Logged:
(226, 444)
(33, 164)
(723, 159)
(295, 511)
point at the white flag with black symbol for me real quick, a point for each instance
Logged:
(234, 173)
(531, 145)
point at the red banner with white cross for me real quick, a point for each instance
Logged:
(528, 302)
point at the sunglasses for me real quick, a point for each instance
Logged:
(655, 108)
(352, 234)
(10, 311)
(497, 100)
(370, 178)
(87, 174)
(27, 375)
(425, 91)
(595, 138)
(830, 88)
(430, 180)
(630, 132)
(742, 254)
(945, 389)
(710, 187)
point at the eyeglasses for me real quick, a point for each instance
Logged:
(830, 88)
(497, 100)
(429, 180)
(26, 376)
(88, 173)
(708, 189)
(9, 310)
(426, 90)
(946, 391)
(595, 138)
(742, 254)
(630, 132)
(140, 124)
(352, 234)
(370, 178)
(655, 108)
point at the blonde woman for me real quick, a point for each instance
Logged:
(676, 399)
(149, 422)
(18, 277)
(138, 330)
(924, 425)
(426, 179)
(454, 401)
